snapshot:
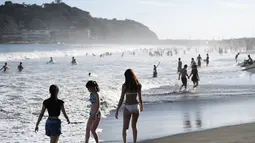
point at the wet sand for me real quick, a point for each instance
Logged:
(244, 133)
(188, 115)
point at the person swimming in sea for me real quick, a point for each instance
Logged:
(155, 72)
(179, 65)
(195, 76)
(199, 58)
(53, 123)
(131, 90)
(20, 67)
(5, 67)
(183, 75)
(236, 57)
(73, 62)
(95, 114)
(207, 59)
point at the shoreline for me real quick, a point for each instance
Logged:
(240, 133)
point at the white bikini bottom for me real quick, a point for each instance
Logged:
(132, 108)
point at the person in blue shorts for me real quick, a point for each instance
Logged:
(53, 123)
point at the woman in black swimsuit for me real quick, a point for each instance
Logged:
(53, 123)
(195, 76)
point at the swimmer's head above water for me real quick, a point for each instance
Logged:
(92, 86)
(54, 91)
(20, 63)
(5, 64)
(185, 66)
(179, 59)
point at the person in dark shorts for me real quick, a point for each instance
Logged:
(195, 76)
(53, 123)
(183, 74)
(95, 114)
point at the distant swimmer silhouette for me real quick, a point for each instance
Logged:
(155, 72)
(236, 58)
(20, 67)
(51, 61)
(199, 58)
(89, 74)
(73, 62)
(207, 59)
(5, 67)
(192, 63)
(179, 65)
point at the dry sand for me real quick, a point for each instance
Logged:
(244, 133)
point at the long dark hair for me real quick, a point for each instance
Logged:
(93, 84)
(131, 81)
(53, 91)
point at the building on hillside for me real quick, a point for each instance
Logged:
(71, 35)
(36, 35)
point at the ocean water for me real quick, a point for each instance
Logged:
(22, 94)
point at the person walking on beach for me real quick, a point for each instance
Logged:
(183, 74)
(179, 65)
(195, 76)
(53, 123)
(237, 56)
(5, 67)
(130, 90)
(155, 73)
(199, 58)
(20, 67)
(95, 114)
(207, 59)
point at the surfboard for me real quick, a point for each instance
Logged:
(50, 62)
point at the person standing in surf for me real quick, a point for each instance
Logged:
(183, 74)
(207, 59)
(179, 65)
(5, 67)
(237, 56)
(130, 90)
(20, 67)
(199, 58)
(53, 123)
(195, 76)
(155, 73)
(73, 62)
(95, 114)
(192, 63)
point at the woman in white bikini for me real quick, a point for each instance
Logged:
(131, 88)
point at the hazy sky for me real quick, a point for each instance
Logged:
(203, 19)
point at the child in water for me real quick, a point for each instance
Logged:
(95, 114)
(53, 123)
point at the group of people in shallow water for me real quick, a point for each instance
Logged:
(183, 75)
(131, 89)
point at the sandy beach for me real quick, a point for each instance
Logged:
(232, 134)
